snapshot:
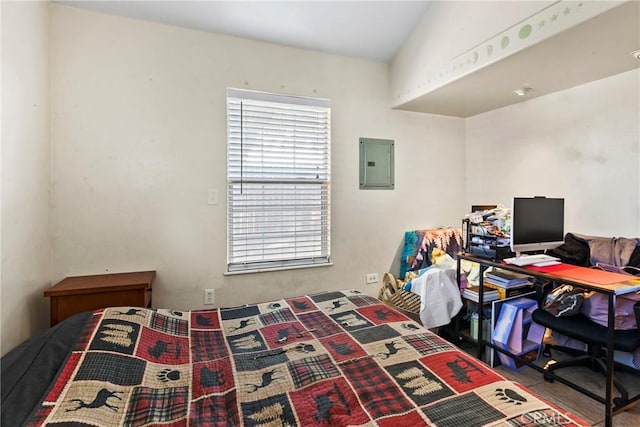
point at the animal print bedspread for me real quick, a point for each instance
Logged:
(334, 359)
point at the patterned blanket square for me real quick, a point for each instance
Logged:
(377, 333)
(301, 304)
(205, 319)
(256, 385)
(272, 306)
(240, 325)
(319, 324)
(116, 335)
(327, 296)
(338, 305)
(428, 343)
(413, 418)
(420, 384)
(389, 352)
(284, 334)
(215, 411)
(330, 403)
(260, 360)
(247, 342)
(460, 371)
(239, 312)
(408, 327)
(207, 345)
(163, 348)
(92, 402)
(381, 313)
(171, 322)
(467, 410)
(282, 315)
(342, 347)
(130, 314)
(363, 300)
(377, 391)
(351, 320)
(212, 377)
(510, 399)
(110, 367)
(160, 376)
(312, 369)
(274, 410)
(161, 406)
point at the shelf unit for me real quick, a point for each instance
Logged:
(517, 333)
(478, 241)
(463, 329)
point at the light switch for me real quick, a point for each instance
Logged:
(212, 198)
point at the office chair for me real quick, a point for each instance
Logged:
(595, 336)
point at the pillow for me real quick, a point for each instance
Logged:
(595, 307)
(615, 250)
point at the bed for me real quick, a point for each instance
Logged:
(334, 358)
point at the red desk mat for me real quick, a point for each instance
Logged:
(591, 275)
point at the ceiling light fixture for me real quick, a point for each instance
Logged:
(635, 54)
(522, 91)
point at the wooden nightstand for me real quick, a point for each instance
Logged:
(83, 293)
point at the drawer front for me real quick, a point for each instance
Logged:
(68, 305)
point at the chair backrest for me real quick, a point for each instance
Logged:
(581, 328)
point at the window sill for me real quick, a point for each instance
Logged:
(267, 270)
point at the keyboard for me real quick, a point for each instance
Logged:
(546, 263)
(541, 260)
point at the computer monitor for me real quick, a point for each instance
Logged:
(537, 223)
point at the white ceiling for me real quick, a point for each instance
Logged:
(364, 29)
(375, 30)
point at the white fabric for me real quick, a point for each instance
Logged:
(440, 297)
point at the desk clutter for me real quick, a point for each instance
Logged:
(518, 333)
(487, 233)
(426, 288)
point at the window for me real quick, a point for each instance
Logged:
(278, 181)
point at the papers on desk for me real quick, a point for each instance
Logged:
(507, 279)
(472, 293)
(523, 260)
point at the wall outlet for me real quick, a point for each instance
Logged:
(372, 278)
(209, 296)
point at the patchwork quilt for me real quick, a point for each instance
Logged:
(335, 359)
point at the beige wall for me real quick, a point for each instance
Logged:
(139, 136)
(582, 144)
(25, 170)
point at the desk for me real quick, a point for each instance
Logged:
(612, 290)
(83, 293)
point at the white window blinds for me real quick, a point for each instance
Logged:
(278, 181)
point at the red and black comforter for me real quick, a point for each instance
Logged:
(334, 359)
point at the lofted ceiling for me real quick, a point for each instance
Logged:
(372, 30)
(598, 48)
(375, 30)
